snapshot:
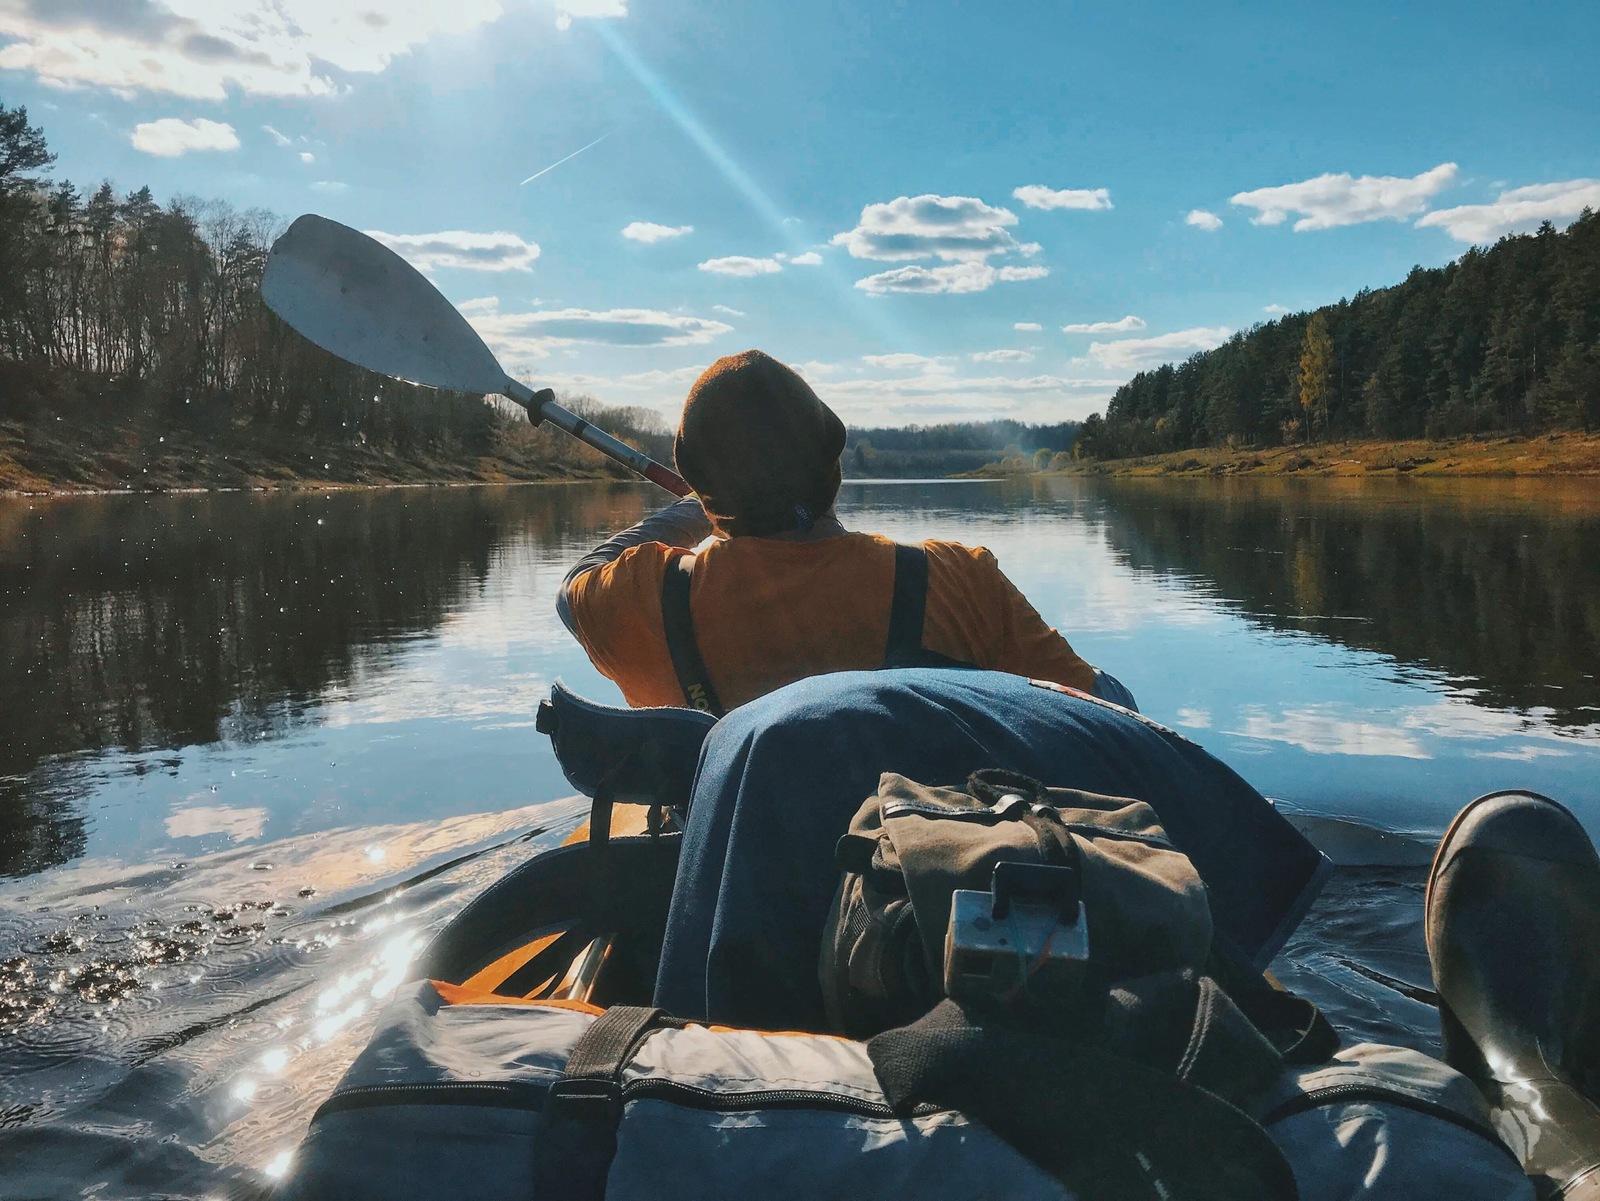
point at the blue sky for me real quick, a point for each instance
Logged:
(937, 210)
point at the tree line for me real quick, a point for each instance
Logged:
(113, 303)
(954, 447)
(1505, 339)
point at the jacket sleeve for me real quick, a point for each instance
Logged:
(683, 524)
(1001, 630)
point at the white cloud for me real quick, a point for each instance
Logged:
(307, 157)
(480, 304)
(1001, 356)
(1028, 327)
(809, 259)
(278, 138)
(953, 228)
(1333, 200)
(170, 137)
(461, 250)
(203, 49)
(1037, 196)
(530, 335)
(201, 820)
(1135, 354)
(905, 362)
(1122, 325)
(956, 278)
(1322, 732)
(330, 185)
(741, 266)
(722, 308)
(1517, 211)
(1274, 309)
(1202, 219)
(649, 232)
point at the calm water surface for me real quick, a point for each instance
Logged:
(252, 749)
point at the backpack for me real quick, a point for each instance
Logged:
(942, 887)
(1043, 958)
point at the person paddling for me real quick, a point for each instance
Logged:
(753, 583)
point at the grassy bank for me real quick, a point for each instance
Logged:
(1548, 455)
(67, 432)
(142, 454)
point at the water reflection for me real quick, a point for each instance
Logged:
(1494, 584)
(136, 624)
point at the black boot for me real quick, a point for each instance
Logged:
(1513, 926)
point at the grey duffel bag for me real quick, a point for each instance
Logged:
(523, 1100)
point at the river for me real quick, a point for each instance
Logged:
(254, 747)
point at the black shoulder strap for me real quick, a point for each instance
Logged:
(908, 606)
(682, 645)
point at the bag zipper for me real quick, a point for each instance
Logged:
(492, 1094)
(988, 817)
(530, 1095)
(696, 1097)
(1333, 1094)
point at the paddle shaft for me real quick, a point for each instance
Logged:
(542, 406)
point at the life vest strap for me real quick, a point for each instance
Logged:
(902, 648)
(682, 645)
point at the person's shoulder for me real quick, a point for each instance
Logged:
(959, 556)
(640, 566)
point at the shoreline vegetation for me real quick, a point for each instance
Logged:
(1505, 341)
(136, 355)
(1560, 455)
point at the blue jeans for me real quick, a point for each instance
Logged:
(781, 777)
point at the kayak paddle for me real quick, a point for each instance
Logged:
(359, 300)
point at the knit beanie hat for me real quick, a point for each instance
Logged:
(759, 447)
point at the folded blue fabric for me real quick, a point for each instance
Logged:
(780, 778)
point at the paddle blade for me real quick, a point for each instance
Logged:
(358, 299)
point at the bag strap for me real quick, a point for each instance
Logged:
(682, 645)
(581, 1111)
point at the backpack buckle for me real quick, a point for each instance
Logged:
(1027, 935)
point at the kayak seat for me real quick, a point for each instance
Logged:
(640, 756)
(521, 935)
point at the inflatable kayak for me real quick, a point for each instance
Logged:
(601, 1021)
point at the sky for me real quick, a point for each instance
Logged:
(935, 211)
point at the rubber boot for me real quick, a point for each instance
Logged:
(1513, 929)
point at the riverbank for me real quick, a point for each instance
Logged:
(1561, 454)
(70, 453)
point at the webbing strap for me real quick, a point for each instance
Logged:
(581, 1111)
(682, 645)
(607, 1045)
(908, 605)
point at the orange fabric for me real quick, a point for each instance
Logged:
(768, 612)
(497, 973)
(456, 994)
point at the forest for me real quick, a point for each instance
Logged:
(955, 447)
(120, 317)
(1505, 340)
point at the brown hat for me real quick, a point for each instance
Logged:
(758, 446)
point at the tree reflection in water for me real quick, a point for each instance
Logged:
(142, 623)
(1495, 583)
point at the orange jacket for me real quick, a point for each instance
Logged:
(768, 612)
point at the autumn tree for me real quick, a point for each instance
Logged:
(1316, 360)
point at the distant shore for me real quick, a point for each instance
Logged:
(1562, 454)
